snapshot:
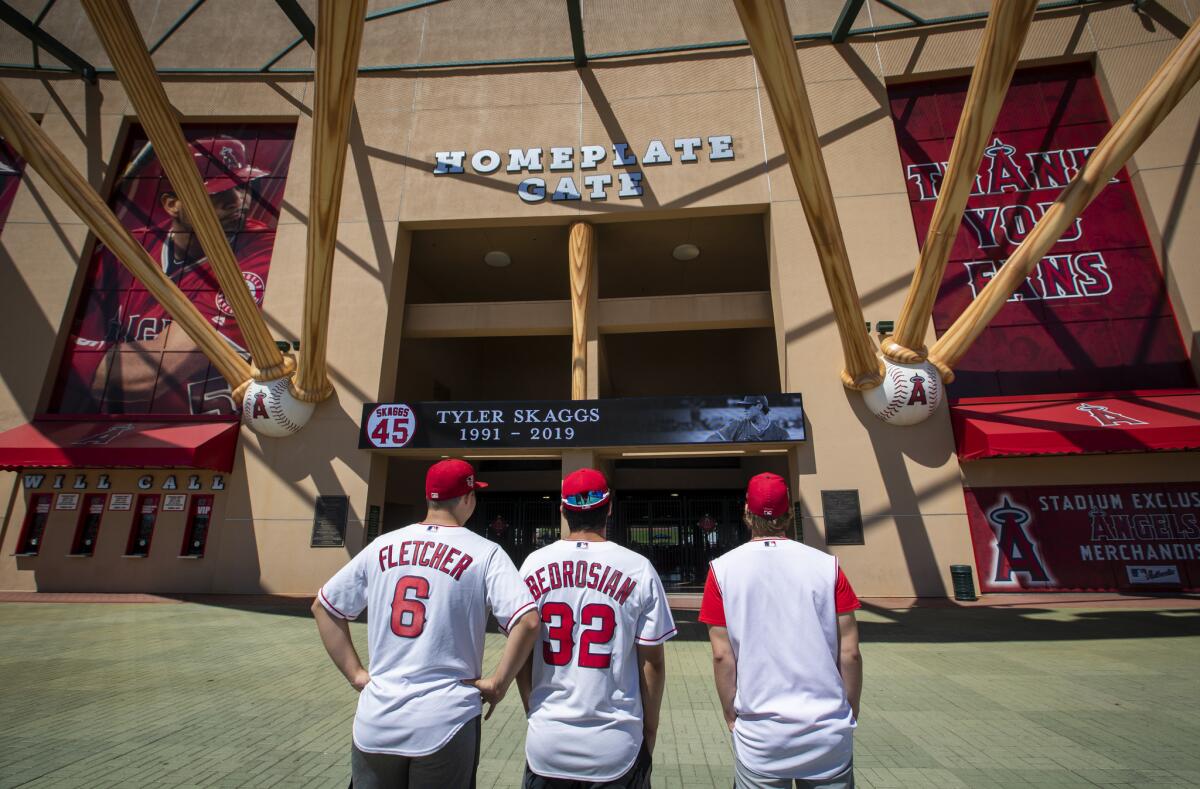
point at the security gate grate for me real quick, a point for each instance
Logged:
(680, 534)
(520, 522)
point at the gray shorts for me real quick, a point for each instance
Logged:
(452, 767)
(745, 778)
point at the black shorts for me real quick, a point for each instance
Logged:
(637, 777)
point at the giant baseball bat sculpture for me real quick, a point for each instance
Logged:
(582, 254)
(1174, 78)
(115, 24)
(24, 134)
(1003, 36)
(770, 37)
(339, 37)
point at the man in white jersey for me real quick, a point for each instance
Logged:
(593, 691)
(429, 587)
(785, 652)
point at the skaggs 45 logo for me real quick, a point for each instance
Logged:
(1016, 551)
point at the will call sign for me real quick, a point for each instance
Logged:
(1093, 314)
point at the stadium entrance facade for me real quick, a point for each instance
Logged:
(552, 262)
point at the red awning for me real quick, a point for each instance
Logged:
(50, 442)
(1077, 424)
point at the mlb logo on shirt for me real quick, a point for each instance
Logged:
(582, 545)
(769, 543)
(431, 527)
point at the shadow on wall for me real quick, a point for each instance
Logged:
(241, 546)
(928, 444)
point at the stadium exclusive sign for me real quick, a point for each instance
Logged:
(1098, 537)
(627, 421)
(561, 163)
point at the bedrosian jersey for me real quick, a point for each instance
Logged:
(780, 600)
(597, 601)
(429, 589)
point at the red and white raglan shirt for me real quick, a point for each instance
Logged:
(598, 602)
(429, 589)
(780, 600)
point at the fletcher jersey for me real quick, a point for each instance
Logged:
(429, 589)
(780, 600)
(597, 601)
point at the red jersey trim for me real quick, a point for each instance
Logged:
(656, 639)
(333, 609)
(517, 615)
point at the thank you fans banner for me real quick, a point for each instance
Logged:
(627, 421)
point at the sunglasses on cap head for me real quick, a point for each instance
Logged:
(589, 499)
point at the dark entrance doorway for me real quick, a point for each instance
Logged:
(521, 522)
(680, 533)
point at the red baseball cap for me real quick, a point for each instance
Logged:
(223, 163)
(584, 489)
(767, 495)
(449, 479)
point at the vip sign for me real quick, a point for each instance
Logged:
(625, 160)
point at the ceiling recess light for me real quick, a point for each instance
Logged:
(497, 259)
(686, 252)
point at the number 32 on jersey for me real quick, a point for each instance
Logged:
(597, 621)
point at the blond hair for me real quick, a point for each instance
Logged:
(761, 526)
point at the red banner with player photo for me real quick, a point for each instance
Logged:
(124, 355)
(11, 167)
(1094, 314)
(1143, 537)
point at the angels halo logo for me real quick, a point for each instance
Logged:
(254, 284)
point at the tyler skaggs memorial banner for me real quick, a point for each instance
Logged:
(627, 421)
(1100, 537)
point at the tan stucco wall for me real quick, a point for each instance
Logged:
(909, 478)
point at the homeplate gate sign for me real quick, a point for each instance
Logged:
(625, 421)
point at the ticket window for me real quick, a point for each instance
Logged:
(88, 528)
(195, 536)
(144, 518)
(35, 525)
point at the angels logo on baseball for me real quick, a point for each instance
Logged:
(270, 408)
(391, 426)
(908, 395)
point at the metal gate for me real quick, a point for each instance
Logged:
(679, 533)
(520, 522)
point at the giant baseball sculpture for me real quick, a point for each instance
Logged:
(1003, 36)
(339, 37)
(912, 388)
(770, 36)
(1174, 78)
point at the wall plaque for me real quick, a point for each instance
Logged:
(843, 517)
(329, 521)
(373, 518)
